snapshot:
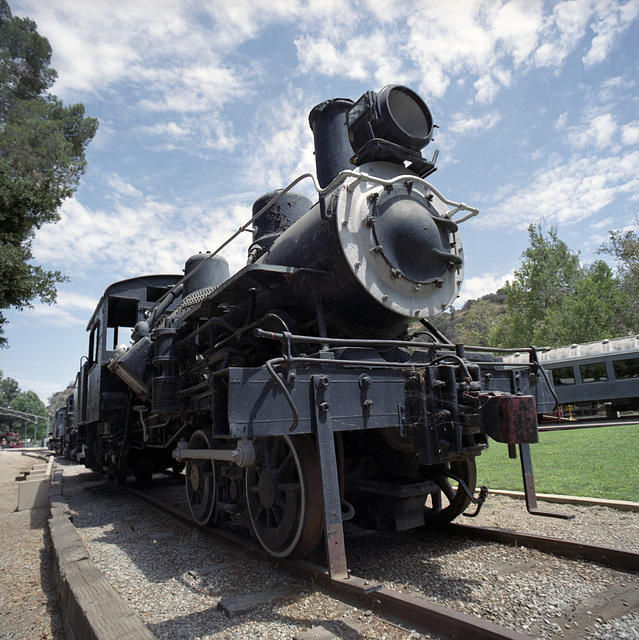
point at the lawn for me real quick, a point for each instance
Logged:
(598, 463)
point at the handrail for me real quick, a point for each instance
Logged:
(339, 179)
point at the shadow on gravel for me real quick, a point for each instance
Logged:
(211, 621)
(383, 557)
(156, 547)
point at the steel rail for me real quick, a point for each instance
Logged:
(425, 616)
(609, 556)
(588, 424)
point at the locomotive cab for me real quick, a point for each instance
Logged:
(103, 396)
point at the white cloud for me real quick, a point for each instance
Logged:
(359, 57)
(562, 31)
(598, 133)
(605, 223)
(630, 133)
(122, 188)
(613, 20)
(57, 315)
(171, 130)
(474, 126)
(565, 192)
(137, 238)
(478, 286)
(487, 89)
(158, 54)
(283, 148)
(517, 24)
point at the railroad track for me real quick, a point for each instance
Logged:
(607, 556)
(410, 610)
(583, 423)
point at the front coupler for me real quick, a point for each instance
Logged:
(513, 420)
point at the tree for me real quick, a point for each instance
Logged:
(624, 246)
(548, 272)
(478, 321)
(597, 309)
(554, 301)
(59, 399)
(42, 147)
(29, 402)
(9, 389)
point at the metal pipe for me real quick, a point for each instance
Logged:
(364, 342)
(243, 455)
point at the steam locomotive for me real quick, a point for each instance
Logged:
(310, 387)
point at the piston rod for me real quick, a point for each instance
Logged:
(243, 455)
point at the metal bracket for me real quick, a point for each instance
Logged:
(334, 531)
(529, 487)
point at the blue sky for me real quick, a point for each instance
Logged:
(203, 106)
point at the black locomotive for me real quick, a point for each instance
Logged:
(309, 387)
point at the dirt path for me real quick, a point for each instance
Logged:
(28, 601)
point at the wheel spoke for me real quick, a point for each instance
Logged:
(286, 467)
(283, 492)
(447, 488)
(200, 481)
(457, 500)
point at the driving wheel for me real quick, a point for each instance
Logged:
(284, 495)
(200, 481)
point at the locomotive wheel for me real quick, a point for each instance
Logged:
(284, 495)
(451, 500)
(200, 481)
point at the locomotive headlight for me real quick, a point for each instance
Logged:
(396, 115)
(405, 116)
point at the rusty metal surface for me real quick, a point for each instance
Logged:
(509, 419)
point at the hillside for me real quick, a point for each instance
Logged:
(473, 322)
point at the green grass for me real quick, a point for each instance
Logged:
(597, 463)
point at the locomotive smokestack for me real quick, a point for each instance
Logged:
(333, 150)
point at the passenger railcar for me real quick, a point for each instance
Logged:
(296, 392)
(594, 374)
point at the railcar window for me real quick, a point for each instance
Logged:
(626, 368)
(594, 372)
(563, 375)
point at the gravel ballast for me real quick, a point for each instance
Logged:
(176, 578)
